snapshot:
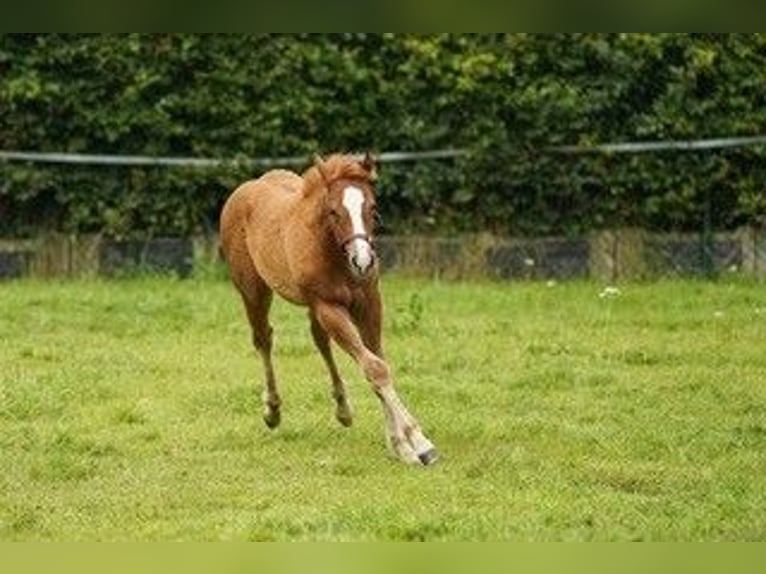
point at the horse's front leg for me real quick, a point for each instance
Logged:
(403, 431)
(322, 341)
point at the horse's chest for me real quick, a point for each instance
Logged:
(277, 274)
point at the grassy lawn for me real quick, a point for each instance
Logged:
(130, 410)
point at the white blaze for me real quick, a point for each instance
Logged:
(360, 252)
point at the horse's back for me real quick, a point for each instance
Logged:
(252, 224)
(266, 197)
(277, 183)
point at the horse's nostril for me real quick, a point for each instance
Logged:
(360, 263)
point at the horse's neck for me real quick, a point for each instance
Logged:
(309, 208)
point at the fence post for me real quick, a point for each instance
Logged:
(61, 255)
(52, 256)
(760, 252)
(758, 243)
(84, 254)
(473, 255)
(617, 254)
(602, 258)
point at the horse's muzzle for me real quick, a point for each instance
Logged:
(360, 253)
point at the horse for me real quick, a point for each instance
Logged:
(310, 239)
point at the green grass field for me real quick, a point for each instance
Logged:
(130, 410)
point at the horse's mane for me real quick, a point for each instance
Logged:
(333, 168)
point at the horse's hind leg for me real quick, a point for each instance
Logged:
(257, 303)
(322, 341)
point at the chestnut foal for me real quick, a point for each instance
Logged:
(310, 239)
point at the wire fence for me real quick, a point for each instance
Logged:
(385, 157)
(609, 255)
(158, 161)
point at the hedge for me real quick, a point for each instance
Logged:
(504, 98)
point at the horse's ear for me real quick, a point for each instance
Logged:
(370, 165)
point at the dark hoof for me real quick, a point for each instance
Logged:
(428, 457)
(343, 413)
(272, 419)
(346, 422)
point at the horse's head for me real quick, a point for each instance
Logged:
(350, 211)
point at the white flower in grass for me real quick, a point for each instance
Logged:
(609, 292)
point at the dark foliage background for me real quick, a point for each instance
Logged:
(504, 98)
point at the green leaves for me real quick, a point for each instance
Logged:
(503, 97)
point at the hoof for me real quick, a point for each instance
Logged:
(346, 421)
(272, 419)
(428, 457)
(343, 413)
